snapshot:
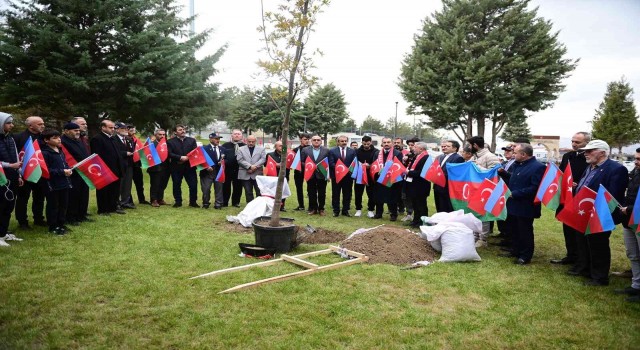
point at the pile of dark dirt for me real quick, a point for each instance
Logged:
(319, 236)
(391, 245)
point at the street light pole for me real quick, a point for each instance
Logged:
(395, 126)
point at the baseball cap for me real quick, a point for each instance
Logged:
(120, 125)
(213, 135)
(596, 144)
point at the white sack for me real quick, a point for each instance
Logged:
(263, 205)
(458, 244)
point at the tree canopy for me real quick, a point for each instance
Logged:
(326, 110)
(616, 119)
(125, 59)
(516, 128)
(479, 60)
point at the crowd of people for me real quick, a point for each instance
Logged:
(67, 195)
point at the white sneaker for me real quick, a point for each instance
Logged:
(371, 214)
(358, 213)
(3, 243)
(407, 218)
(12, 237)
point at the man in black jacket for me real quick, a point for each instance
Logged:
(126, 147)
(104, 145)
(418, 189)
(159, 174)
(386, 194)
(11, 166)
(231, 170)
(298, 176)
(179, 147)
(317, 184)
(578, 166)
(79, 192)
(208, 175)
(631, 239)
(35, 126)
(366, 154)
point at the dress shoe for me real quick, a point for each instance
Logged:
(128, 206)
(377, 217)
(394, 218)
(225, 205)
(312, 212)
(155, 204)
(299, 209)
(177, 205)
(194, 205)
(504, 243)
(205, 206)
(120, 211)
(162, 202)
(596, 283)
(237, 205)
(628, 291)
(563, 261)
(622, 274)
(144, 202)
(521, 262)
(40, 223)
(25, 226)
(57, 231)
(505, 249)
(346, 213)
(335, 215)
(572, 272)
(321, 213)
(217, 207)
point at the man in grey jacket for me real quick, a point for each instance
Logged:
(251, 159)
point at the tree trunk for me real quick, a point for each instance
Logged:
(481, 123)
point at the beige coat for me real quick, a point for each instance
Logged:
(485, 159)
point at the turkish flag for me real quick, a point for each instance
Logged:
(68, 157)
(341, 170)
(271, 169)
(138, 145)
(38, 155)
(196, 157)
(478, 198)
(375, 168)
(578, 213)
(96, 172)
(397, 171)
(290, 156)
(436, 175)
(161, 147)
(309, 169)
(566, 196)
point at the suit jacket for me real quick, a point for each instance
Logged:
(308, 152)
(417, 187)
(453, 158)
(335, 154)
(524, 182)
(614, 177)
(162, 167)
(215, 157)
(125, 146)
(231, 162)
(107, 148)
(246, 160)
(178, 148)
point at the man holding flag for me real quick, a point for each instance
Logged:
(11, 179)
(159, 174)
(75, 151)
(630, 222)
(385, 194)
(209, 173)
(180, 167)
(138, 179)
(594, 254)
(104, 145)
(441, 193)
(418, 188)
(276, 155)
(35, 127)
(317, 182)
(298, 175)
(365, 155)
(340, 157)
(251, 159)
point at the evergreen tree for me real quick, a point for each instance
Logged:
(270, 118)
(479, 60)
(372, 125)
(124, 59)
(326, 110)
(244, 112)
(616, 120)
(517, 127)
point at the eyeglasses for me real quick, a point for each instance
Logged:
(316, 139)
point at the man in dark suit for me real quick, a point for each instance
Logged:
(298, 176)
(35, 126)
(104, 145)
(277, 155)
(231, 168)
(346, 155)
(366, 154)
(417, 188)
(524, 183)
(158, 175)
(317, 184)
(578, 166)
(449, 155)
(383, 193)
(594, 254)
(126, 147)
(79, 192)
(179, 146)
(208, 175)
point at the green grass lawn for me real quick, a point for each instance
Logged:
(122, 282)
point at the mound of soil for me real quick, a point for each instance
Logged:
(320, 236)
(391, 245)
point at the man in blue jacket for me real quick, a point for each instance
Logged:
(523, 183)
(594, 254)
(346, 155)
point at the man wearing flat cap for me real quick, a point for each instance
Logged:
(126, 148)
(79, 193)
(594, 254)
(208, 175)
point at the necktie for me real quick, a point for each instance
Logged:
(215, 152)
(343, 153)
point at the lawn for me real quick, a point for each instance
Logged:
(123, 282)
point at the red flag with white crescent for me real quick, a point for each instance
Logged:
(138, 146)
(566, 197)
(309, 169)
(68, 157)
(577, 215)
(95, 172)
(161, 147)
(271, 169)
(341, 170)
(435, 174)
(38, 155)
(290, 156)
(478, 197)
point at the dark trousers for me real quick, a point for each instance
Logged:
(594, 256)
(505, 230)
(37, 202)
(232, 183)
(298, 179)
(359, 190)
(346, 188)
(523, 242)
(249, 187)
(7, 203)
(138, 181)
(190, 176)
(78, 200)
(571, 242)
(317, 192)
(57, 202)
(108, 197)
(126, 181)
(158, 181)
(207, 180)
(391, 198)
(443, 202)
(408, 202)
(419, 205)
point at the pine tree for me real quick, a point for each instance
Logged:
(517, 128)
(616, 119)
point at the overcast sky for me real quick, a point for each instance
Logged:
(364, 43)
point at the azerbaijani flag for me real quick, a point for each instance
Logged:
(31, 170)
(43, 164)
(220, 177)
(549, 189)
(148, 156)
(323, 167)
(296, 164)
(464, 178)
(496, 206)
(634, 220)
(385, 174)
(601, 219)
(68, 157)
(138, 145)
(566, 197)
(3, 177)
(95, 172)
(427, 164)
(353, 166)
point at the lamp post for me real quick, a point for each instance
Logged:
(395, 124)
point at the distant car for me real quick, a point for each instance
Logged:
(629, 164)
